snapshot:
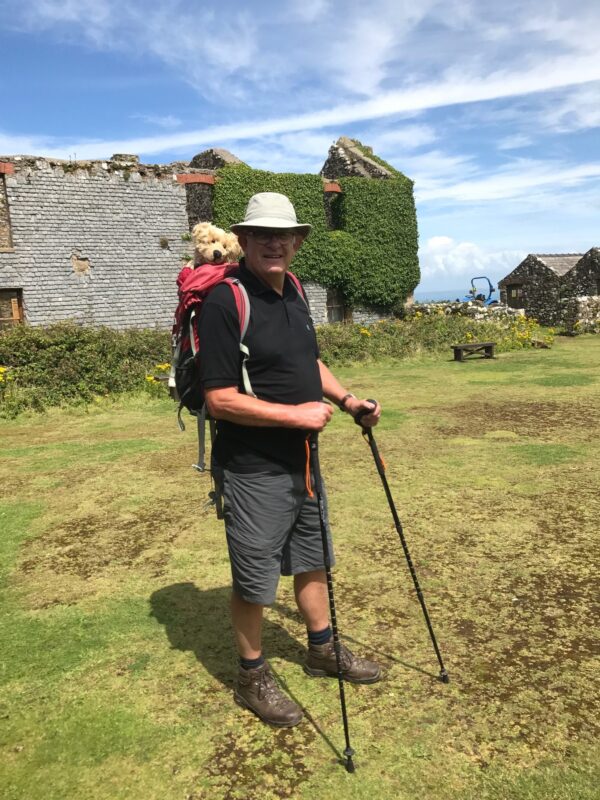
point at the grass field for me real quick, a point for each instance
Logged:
(116, 653)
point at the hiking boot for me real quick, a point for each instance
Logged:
(258, 691)
(321, 663)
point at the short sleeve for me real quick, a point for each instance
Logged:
(219, 336)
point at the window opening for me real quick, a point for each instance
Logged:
(336, 307)
(11, 307)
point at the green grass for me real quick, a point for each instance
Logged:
(116, 655)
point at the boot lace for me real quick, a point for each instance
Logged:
(269, 690)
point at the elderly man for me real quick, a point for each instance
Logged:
(260, 452)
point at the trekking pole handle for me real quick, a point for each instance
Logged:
(364, 411)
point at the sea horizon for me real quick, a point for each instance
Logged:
(436, 295)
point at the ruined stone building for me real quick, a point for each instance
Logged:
(544, 285)
(101, 242)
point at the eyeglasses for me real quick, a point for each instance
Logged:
(264, 235)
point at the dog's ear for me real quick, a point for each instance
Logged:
(200, 232)
(232, 246)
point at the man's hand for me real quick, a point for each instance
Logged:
(312, 416)
(354, 405)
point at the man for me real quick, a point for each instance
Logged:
(260, 452)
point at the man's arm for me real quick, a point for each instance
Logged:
(230, 404)
(334, 391)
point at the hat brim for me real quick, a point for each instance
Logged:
(270, 222)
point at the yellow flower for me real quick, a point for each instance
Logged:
(150, 378)
(365, 332)
(163, 367)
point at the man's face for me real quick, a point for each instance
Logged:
(269, 253)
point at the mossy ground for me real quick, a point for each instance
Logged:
(116, 654)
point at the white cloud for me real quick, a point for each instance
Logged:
(401, 138)
(308, 10)
(443, 260)
(441, 93)
(515, 142)
(521, 179)
(168, 121)
(579, 109)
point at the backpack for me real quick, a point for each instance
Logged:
(184, 378)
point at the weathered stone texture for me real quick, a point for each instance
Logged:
(317, 300)
(584, 278)
(199, 202)
(367, 316)
(541, 290)
(582, 315)
(345, 159)
(64, 216)
(5, 237)
(547, 282)
(213, 159)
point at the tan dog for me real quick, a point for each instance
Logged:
(213, 245)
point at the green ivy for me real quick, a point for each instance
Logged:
(371, 256)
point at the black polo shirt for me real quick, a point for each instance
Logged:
(282, 369)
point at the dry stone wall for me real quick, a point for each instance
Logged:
(582, 315)
(100, 243)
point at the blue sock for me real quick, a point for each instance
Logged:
(252, 663)
(319, 637)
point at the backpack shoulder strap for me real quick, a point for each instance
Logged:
(242, 302)
(299, 288)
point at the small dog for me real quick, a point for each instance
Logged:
(212, 245)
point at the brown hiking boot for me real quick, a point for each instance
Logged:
(321, 663)
(258, 691)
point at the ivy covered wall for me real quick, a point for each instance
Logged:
(370, 255)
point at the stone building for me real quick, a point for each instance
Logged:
(101, 242)
(543, 283)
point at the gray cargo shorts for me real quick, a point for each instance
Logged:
(272, 528)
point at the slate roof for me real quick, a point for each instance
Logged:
(560, 263)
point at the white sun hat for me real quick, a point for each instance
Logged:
(270, 210)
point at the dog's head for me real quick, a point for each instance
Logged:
(213, 245)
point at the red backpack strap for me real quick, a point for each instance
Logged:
(299, 288)
(242, 304)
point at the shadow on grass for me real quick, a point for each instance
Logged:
(365, 647)
(199, 621)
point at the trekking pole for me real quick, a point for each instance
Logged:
(314, 465)
(368, 433)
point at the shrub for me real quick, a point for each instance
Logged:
(68, 364)
(421, 333)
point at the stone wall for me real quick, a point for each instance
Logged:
(582, 315)
(468, 309)
(317, 300)
(584, 278)
(542, 291)
(366, 316)
(99, 243)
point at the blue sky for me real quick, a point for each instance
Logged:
(493, 109)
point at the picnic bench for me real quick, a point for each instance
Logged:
(470, 348)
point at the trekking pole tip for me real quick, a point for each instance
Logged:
(349, 763)
(444, 677)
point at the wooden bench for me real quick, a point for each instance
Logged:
(469, 348)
